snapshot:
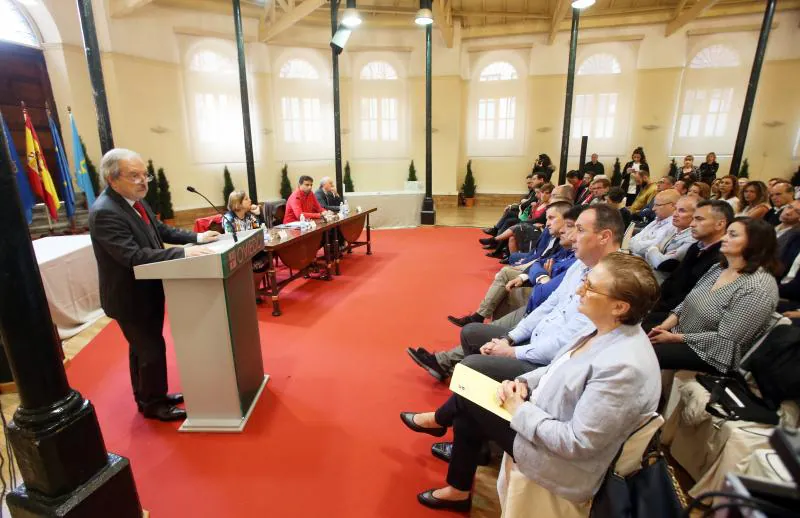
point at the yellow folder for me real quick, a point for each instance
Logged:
(478, 388)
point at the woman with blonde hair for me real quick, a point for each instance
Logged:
(569, 419)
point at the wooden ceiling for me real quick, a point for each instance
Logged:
(469, 19)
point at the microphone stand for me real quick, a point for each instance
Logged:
(233, 226)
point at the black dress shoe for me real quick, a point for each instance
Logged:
(428, 362)
(497, 254)
(164, 412)
(174, 399)
(488, 241)
(504, 260)
(428, 500)
(468, 319)
(408, 420)
(444, 451)
(490, 231)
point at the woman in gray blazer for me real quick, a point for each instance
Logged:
(571, 417)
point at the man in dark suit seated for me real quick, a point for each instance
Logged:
(327, 196)
(125, 233)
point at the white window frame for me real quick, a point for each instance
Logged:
(16, 25)
(380, 108)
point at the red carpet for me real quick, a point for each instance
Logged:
(325, 439)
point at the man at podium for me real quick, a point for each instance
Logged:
(126, 233)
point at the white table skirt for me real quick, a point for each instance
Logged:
(396, 209)
(69, 275)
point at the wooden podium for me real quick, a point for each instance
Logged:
(212, 313)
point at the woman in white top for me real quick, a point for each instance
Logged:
(729, 190)
(568, 419)
(754, 200)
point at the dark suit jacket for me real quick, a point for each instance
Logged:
(121, 240)
(683, 279)
(328, 200)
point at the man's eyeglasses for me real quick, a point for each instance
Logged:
(139, 179)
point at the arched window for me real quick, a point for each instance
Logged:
(378, 71)
(500, 71)
(298, 69)
(710, 101)
(601, 103)
(715, 56)
(303, 108)
(14, 26)
(214, 101)
(497, 96)
(599, 65)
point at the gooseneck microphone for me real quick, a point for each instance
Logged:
(233, 225)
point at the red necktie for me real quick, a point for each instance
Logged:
(143, 213)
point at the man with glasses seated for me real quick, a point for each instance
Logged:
(125, 233)
(661, 228)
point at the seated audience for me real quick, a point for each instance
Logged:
(795, 181)
(661, 228)
(303, 202)
(525, 232)
(594, 166)
(707, 172)
(598, 190)
(700, 190)
(575, 179)
(729, 191)
(568, 419)
(788, 234)
(647, 215)
(665, 256)
(541, 333)
(511, 213)
(244, 215)
(616, 199)
(628, 185)
(646, 191)
(728, 309)
(753, 200)
(741, 182)
(715, 194)
(507, 291)
(327, 196)
(682, 187)
(709, 223)
(564, 193)
(781, 194)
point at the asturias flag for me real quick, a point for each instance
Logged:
(38, 173)
(81, 172)
(63, 166)
(24, 188)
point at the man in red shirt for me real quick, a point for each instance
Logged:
(302, 201)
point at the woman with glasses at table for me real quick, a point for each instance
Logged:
(571, 417)
(244, 215)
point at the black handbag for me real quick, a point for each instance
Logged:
(651, 492)
(732, 400)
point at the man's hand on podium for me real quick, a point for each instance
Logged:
(195, 251)
(208, 236)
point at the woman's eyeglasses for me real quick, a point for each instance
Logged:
(587, 286)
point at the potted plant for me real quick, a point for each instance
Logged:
(152, 189)
(165, 198)
(744, 171)
(616, 177)
(673, 169)
(348, 180)
(227, 186)
(469, 187)
(286, 185)
(411, 183)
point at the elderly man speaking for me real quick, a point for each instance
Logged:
(125, 233)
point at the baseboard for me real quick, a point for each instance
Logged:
(481, 199)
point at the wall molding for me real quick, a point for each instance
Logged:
(751, 27)
(620, 38)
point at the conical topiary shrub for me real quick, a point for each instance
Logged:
(227, 186)
(152, 189)
(348, 180)
(164, 197)
(286, 185)
(616, 177)
(468, 188)
(673, 169)
(744, 171)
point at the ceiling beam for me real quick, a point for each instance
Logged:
(249, 10)
(288, 20)
(679, 8)
(442, 17)
(120, 8)
(509, 15)
(690, 15)
(559, 14)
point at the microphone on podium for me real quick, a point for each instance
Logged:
(233, 226)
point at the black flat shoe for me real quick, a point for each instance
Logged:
(171, 399)
(497, 254)
(488, 241)
(408, 420)
(428, 500)
(444, 451)
(428, 362)
(467, 319)
(491, 231)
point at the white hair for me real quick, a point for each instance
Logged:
(109, 165)
(323, 181)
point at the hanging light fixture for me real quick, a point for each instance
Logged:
(582, 4)
(351, 18)
(424, 15)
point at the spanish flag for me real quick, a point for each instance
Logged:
(38, 174)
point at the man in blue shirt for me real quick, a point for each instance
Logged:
(537, 338)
